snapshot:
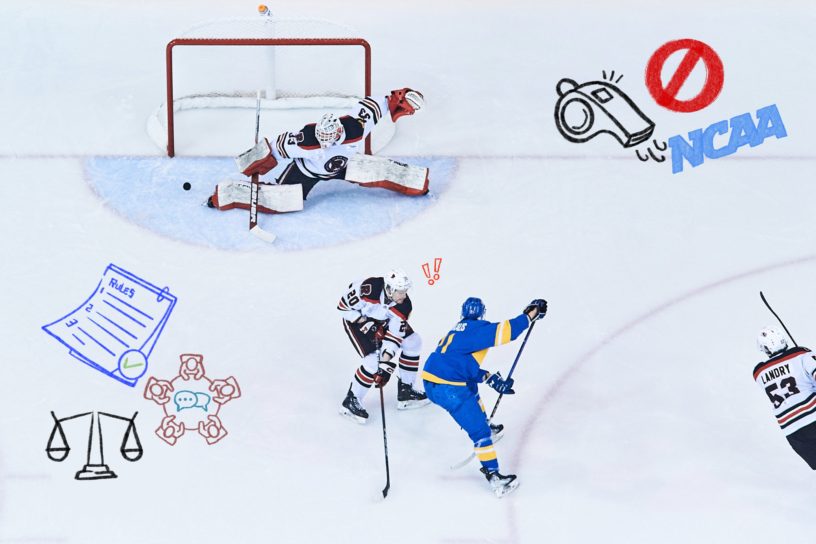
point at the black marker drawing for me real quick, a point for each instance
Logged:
(95, 468)
(652, 154)
(584, 111)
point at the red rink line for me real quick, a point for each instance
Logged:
(580, 362)
(58, 156)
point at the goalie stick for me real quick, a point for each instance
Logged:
(464, 462)
(266, 236)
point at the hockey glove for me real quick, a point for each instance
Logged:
(536, 309)
(386, 368)
(505, 387)
(367, 326)
(257, 160)
(404, 102)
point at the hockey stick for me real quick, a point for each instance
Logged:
(385, 447)
(255, 186)
(778, 318)
(464, 462)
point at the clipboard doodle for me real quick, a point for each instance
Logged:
(116, 328)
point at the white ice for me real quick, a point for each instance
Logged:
(636, 418)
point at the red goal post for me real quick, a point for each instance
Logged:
(306, 57)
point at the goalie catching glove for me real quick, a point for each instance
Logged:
(256, 160)
(405, 102)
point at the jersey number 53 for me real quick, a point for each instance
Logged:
(789, 384)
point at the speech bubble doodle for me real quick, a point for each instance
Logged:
(191, 399)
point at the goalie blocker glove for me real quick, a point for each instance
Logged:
(257, 160)
(405, 102)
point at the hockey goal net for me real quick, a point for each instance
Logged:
(302, 67)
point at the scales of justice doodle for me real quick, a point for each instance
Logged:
(95, 468)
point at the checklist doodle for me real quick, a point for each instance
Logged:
(116, 328)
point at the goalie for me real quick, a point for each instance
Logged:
(328, 149)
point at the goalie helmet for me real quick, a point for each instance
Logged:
(473, 308)
(329, 130)
(396, 280)
(770, 341)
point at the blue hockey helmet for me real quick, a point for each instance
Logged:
(473, 308)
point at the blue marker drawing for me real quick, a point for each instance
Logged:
(191, 399)
(115, 330)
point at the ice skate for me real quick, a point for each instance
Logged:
(408, 397)
(351, 407)
(502, 485)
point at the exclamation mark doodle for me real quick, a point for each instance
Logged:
(426, 269)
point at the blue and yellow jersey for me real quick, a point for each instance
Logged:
(459, 355)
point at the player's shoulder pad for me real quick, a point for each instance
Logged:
(784, 356)
(371, 289)
(403, 309)
(353, 129)
(307, 138)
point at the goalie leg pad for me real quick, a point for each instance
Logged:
(370, 171)
(271, 198)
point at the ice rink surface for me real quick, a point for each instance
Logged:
(635, 418)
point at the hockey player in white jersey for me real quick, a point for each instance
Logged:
(328, 149)
(375, 317)
(788, 379)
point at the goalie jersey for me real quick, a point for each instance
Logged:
(459, 355)
(303, 148)
(789, 382)
(367, 298)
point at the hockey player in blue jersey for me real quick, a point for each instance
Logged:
(452, 373)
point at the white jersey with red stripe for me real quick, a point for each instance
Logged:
(789, 382)
(367, 298)
(303, 147)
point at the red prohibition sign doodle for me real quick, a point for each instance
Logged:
(667, 96)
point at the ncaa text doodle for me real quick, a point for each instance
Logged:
(191, 401)
(95, 468)
(116, 328)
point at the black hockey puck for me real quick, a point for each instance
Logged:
(186, 186)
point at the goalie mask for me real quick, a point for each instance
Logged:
(396, 282)
(329, 130)
(770, 341)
